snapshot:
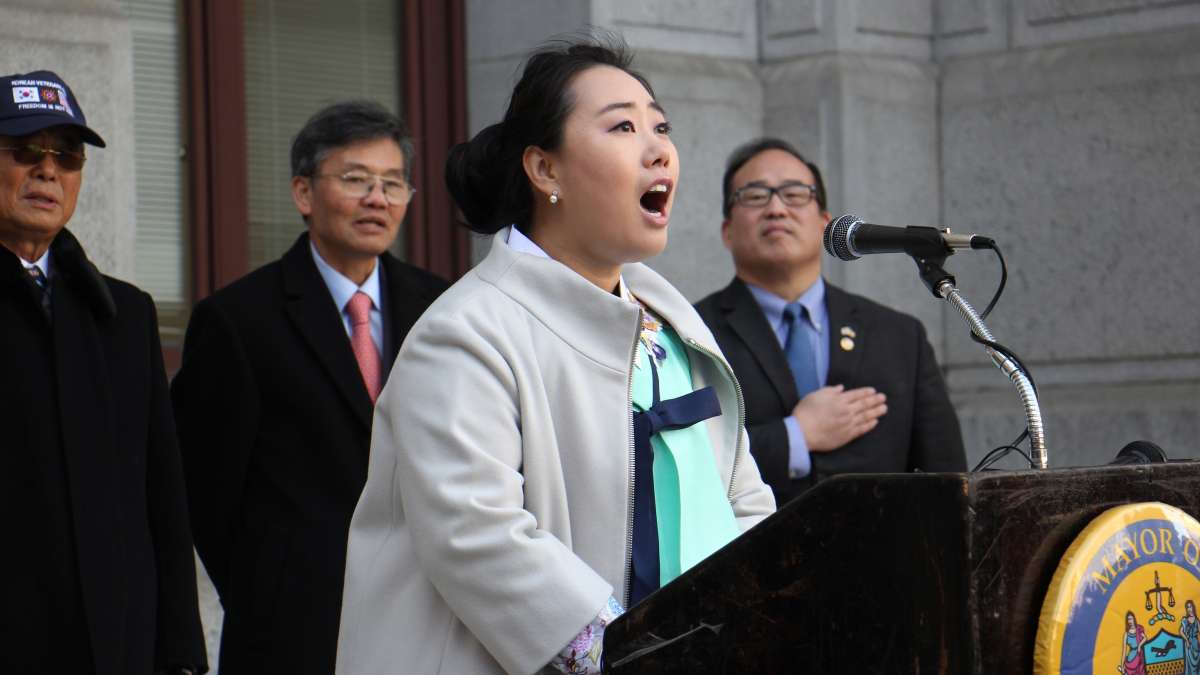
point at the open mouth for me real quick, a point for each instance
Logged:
(654, 200)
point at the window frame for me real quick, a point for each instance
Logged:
(433, 74)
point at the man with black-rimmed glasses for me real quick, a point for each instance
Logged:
(833, 382)
(98, 567)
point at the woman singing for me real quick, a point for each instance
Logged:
(520, 494)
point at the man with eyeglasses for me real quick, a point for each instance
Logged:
(833, 382)
(276, 393)
(98, 567)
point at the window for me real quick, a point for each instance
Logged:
(161, 245)
(301, 55)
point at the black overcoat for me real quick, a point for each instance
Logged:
(888, 351)
(98, 564)
(275, 426)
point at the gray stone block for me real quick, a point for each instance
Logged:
(784, 18)
(1045, 22)
(970, 27)
(909, 18)
(1049, 11)
(501, 30)
(1088, 185)
(956, 17)
(490, 83)
(795, 29)
(722, 17)
(903, 29)
(1087, 426)
(711, 28)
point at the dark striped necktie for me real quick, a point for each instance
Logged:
(43, 285)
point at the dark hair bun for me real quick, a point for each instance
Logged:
(475, 176)
(486, 176)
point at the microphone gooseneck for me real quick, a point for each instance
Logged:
(848, 238)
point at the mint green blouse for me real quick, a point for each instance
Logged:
(694, 515)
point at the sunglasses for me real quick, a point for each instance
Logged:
(32, 155)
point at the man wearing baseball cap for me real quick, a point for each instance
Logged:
(99, 568)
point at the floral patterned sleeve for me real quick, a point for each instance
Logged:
(582, 655)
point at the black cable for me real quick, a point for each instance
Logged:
(1009, 353)
(991, 457)
(1007, 449)
(1023, 436)
(998, 453)
(1003, 279)
(988, 459)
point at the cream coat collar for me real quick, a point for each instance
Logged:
(600, 325)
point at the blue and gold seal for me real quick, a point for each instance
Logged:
(1123, 599)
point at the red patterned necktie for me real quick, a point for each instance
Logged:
(359, 309)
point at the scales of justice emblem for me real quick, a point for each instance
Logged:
(1123, 598)
(1174, 650)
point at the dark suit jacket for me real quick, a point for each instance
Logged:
(275, 426)
(98, 564)
(891, 353)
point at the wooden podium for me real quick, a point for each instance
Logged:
(895, 573)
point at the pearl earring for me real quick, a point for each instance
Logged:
(554, 197)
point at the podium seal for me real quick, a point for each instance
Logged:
(1123, 599)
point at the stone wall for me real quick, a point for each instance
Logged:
(1070, 133)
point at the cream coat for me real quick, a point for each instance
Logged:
(496, 518)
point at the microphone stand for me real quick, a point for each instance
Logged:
(941, 284)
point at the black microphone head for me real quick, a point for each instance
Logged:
(837, 236)
(1140, 452)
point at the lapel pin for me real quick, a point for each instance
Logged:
(847, 343)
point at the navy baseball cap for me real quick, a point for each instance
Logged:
(37, 100)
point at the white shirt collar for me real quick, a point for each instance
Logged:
(43, 263)
(518, 242)
(342, 288)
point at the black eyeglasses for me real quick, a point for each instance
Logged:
(32, 155)
(792, 194)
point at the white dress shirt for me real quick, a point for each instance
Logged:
(42, 263)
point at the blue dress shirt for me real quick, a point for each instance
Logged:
(342, 289)
(817, 321)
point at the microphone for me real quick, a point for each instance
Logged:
(849, 238)
(1140, 452)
